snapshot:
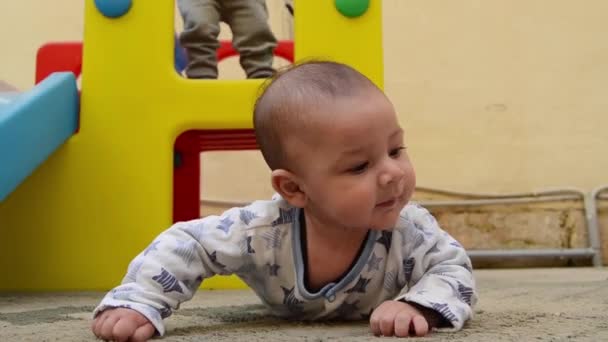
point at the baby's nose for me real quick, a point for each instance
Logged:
(393, 176)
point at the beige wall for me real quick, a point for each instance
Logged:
(503, 95)
(496, 96)
(27, 24)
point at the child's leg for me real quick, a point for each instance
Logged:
(252, 37)
(199, 38)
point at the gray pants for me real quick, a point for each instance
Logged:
(252, 37)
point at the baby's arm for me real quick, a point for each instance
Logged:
(164, 275)
(439, 286)
(438, 272)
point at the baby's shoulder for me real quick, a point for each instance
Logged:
(261, 215)
(415, 219)
(413, 215)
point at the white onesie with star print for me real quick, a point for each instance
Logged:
(261, 243)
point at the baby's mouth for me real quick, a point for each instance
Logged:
(388, 203)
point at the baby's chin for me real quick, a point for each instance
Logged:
(387, 229)
(389, 223)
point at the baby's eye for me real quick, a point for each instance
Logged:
(396, 152)
(360, 168)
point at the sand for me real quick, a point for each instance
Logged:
(561, 304)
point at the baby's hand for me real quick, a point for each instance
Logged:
(122, 325)
(398, 318)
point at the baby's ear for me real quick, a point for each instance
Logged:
(288, 186)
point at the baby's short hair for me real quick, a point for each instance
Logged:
(286, 101)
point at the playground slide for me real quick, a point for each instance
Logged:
(34, 124)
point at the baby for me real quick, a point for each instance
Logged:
(338, 241)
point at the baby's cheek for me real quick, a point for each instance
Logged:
(410, 182)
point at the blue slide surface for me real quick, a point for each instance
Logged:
(34, 124)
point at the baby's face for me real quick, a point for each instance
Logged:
(354, 168)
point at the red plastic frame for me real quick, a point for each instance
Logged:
(67, 56)
(55, 57)
(187, 175)
(284, 50)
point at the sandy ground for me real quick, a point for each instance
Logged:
(565, 304)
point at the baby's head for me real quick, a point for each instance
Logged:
(334, 145)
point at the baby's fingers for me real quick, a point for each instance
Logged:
(421, 326)
(124, 329)
(374, 325)
(403, 322)
(98, 323)
(143, 333)
(382, 320)
(107, 327)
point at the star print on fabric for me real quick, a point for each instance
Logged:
(461, 291)
(374, 262)
(294, 305)
(152, 247)
(285, 216)
(245, 245)
(165, 311)
(390, 280)
(273, 269)
(274, 237)
(168, 281)
(134, 269)
(247, 216)
(445, 311)
(186, 250)
(250, 249)
(421, 228)
(456, 244)
(213, 258)
(360, 286)
(433, 250)
(225, 224)
(347, 309)
(408, 268)
(419, 240)
(467, 267)
(465, 293)
(386, 239)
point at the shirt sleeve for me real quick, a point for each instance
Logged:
(436, 270)
(171, 269)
